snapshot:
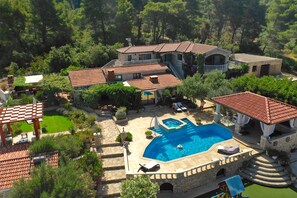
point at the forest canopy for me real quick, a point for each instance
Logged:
(45, 36)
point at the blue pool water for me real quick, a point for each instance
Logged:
(194, 139)
(171, 123)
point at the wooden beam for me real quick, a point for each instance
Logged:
(9, 128)
(36, 128)
(2, 135)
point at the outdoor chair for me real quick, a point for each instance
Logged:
(176, 107)
(180, 105)
(228, 149)
(151, 166)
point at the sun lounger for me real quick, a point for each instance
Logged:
(228, 149)
(151, 166)
(180, 105)
(176, 107)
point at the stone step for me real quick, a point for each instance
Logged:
(110, 144)
(265, 159)
(268, 165)
(267, 178)
(113, 176)
(107, 152)
(110, 190)
(267, 173)
(113, 163)
(266, 169)
(266, 183)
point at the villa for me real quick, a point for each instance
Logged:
(176, 55)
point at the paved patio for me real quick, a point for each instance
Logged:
(140, 122)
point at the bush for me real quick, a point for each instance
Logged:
(120, 115)
(140, 186)
(67, 105)
(148, 133)
(44, 145)
(129, 137)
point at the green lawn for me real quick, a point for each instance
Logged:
(257, 191)
(54, 122)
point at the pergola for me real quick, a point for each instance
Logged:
(250, 105)
(20, 113)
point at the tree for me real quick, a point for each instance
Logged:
(123, 20)
(91, 164)
(65, 181)
(193, 87)
(48, 28)
(140, 187)
(217, 84)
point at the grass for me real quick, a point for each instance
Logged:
(54, 122)
(255, 191)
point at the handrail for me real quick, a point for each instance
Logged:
(201, 168)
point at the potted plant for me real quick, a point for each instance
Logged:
(148, 134)
(198, 120)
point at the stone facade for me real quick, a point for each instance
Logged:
(285, 143)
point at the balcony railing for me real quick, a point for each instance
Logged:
(209, 68)
(139, 61)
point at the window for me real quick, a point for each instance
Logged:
(180, 57)
(129, 57)
(136, 75)
(118, 77)
(254, 68)
(145, 56)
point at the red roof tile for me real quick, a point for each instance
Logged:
(183, 47)
(137, 69)
(262, 108)
(86, 77)
(15, 163)
(164, 80)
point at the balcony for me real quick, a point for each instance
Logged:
(209, 68)
(150, 61)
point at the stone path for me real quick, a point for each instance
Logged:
(112, 156)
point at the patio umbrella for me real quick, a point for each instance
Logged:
(147, 93)
(156, 123)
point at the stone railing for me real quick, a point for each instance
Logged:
(239, 157)
(209, 68)
(285, 142)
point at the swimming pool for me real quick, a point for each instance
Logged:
(194, 139)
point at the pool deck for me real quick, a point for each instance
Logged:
(140, 122)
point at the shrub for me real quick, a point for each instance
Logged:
(44, 145)
(67, 105)
(140, 186)
(148, 133)
(72, 130)
(91, 120)
(120, 115)
(129, 137)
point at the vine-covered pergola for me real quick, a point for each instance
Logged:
(20, 113)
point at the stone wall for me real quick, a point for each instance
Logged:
(284, 143)
(201, 175)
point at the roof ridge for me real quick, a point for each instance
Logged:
(190, 43)
(267, 110)
(128, 48)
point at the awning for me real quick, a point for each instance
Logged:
(235, 185)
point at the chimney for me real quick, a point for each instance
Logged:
(154, 79)
(110, 76)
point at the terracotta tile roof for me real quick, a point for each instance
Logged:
(164, 80)
(137, 49)
(16, 163)
(86, 77)
(183, 47)
(154, 68)
(262, 108)
(21, 112)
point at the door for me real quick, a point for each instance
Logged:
(264, 70)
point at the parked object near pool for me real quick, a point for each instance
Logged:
(228, 149)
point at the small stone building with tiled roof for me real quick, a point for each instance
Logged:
(258, 65)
